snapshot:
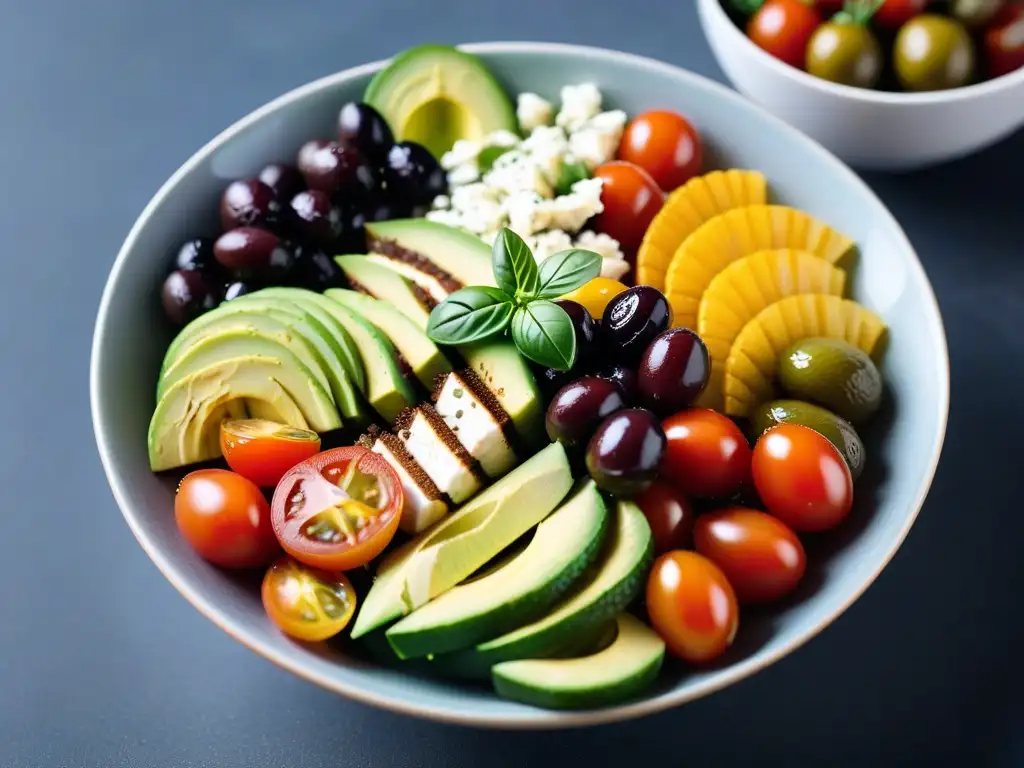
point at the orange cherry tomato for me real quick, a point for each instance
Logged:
(339, 509)
(225, 518)
(669, 514)
(263, 450)
(692, 606)
(631, 198)
(1004, 41)
(801, 478)
(895, 13)
(783, 29)
(665, 145)
(759, 554)
(707, 455)
(307, 603)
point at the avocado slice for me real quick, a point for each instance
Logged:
(316, 404)
(412, 343)
(522, 590)
(436, 94)
(384, 284)
(616, 578)
(610, 676)
(505, 372)
(455, 258)
(183, 428)
(442, 556)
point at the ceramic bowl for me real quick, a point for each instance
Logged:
(873, 130)
(131, 336)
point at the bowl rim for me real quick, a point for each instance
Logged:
(539, 719)
(947, 96)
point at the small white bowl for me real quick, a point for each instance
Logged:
(874, 130)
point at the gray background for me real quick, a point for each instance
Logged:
(103, 664)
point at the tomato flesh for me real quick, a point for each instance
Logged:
(783, 29)
(669, 514)
(665, 145)
(1004, 41)
(707, 454)
(263, 450)
(631, 199)
(307, 603)
(339, 509)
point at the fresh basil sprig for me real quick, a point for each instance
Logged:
(541, 329)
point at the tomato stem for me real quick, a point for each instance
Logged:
(858, 12)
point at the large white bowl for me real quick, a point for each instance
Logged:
(131, 336)
(869, 129)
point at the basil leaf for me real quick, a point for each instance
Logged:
(568, 174)
(566, 271)
(543, 332)
(485, 160)
(470, 314)
(515, 270)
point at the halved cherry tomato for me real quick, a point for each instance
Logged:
(759, 554)
(307, 603)
(263, 450)
(692, 606)
(225, 518)
(665, 145)
(669, 514)
(1004, 41)
(895, 13)
(339, 509)
(707, 455)
(783, 28)
(631, 198)
(801, 478)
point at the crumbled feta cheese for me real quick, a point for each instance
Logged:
(579, 104)
(596, 141)
(441, 202)
(469, 195)
(448, 218)
(462, 152)
(549, 243)
(502, 138)
(467, 173)
(514, 172)
(533, 111)
(614, 268)
(600, 243)
(570, 212)
(549, 137)
(526, 214)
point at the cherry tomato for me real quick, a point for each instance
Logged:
(263, 450)
(665, 145)
(895, 13)
(759, 554)
(631, 198)
(801, 478)
(307, 603)
(783, 27)
(707, 455)
(669, 514)
(339, 509)
(595, 294)
(225, 518)
(692, 606)
(1004, 41)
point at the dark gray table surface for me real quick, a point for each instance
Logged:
(102, 663)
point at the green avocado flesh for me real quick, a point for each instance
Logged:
(618, 673)
(436, 94)
(449, 552)
(462, 256)
(506, 373)
(387, 286)
(515, 593)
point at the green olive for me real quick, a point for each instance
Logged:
(933, 53)
(975, 13)
(846, 53)
(834, 374)
(835, 429)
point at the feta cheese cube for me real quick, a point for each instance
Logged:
(579, 104)
(466, 173)
(597, 140)
(570, 212)
(513, 173)
(526, 215)
(546, 244)
(533, 111)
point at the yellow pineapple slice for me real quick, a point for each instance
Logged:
(750, 367)
(699, 199)
(744, 288)
(738, 233)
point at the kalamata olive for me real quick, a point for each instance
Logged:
(284, 179)
(187, 294)
(196, 255)
(586, 331)
(341, 172)
(550, 380)
(387, 211)
(316, 271)
(673, 371)
(316, 220)
(625, 451)
(579, 406)
(413, 174)
(632, 319)
(353, 222)
(239, 288)
(250, 252)
(361, 126)
(249, 203)
(624, 377)
(307, 153)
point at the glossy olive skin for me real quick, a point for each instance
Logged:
(284, 179)
(585, 330)
(196, 255)
(975, 14)
(253, 253)
(632, 319)
(316, 271)
(413, 174)
(624, 377)
(342, 172)
(834, 374)
(578, 407)
(239, 288)
(186, 294)
(933, 53)
(249, 203)
(625, 451)
(674, 370)
(316, 220)
(845, 53)
(835, 429)
(361, 126)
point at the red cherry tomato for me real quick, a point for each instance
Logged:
(1004, 41)
(783, 28)
(762, 557)
(895, 13)
(263, 450)
(339, 509)
(665, 145)
(669, 514)
(692, 606)
(225, 518)
(307, 603)
(707, 455)
(631, 198)
(802, 478)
